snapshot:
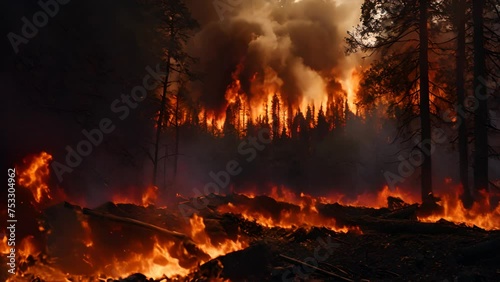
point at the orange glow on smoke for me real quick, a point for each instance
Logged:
(34, 174)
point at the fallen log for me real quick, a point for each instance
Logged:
(408, 212)
(187, 242)
(296, 261)
(119, 219)
(382, 220)
(395, 226)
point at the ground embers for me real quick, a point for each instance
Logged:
(388, 244)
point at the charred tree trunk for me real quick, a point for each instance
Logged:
(481, 112)
(159, 122)
(426, 178)
(461, 118)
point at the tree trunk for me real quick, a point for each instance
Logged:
(426, 177)
(461, 118)
(481, 112)
(176, 148)
(159, 122)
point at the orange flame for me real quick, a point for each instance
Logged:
(485, 212)
(35, 175)
(156, 264)
(150, 195)
(378, 200)
(205, 243)
(163, 259)
(307, 215)
(28, 247)
(4, 248)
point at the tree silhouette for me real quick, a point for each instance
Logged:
(398, 30)
(176, 29)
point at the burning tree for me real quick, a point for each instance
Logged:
(402, 74)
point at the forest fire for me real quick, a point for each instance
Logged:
(158, 257)
(263, 140)
(484, 214)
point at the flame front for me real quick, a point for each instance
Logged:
(484, 213)
(306, 215)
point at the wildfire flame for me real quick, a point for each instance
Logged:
(156, 264)
(158, 258)
(377, 200)
(34, 175)
(163, 259)
(150, 195)
(306, 216)
(205, 243)
(4, 248)
(484, 213)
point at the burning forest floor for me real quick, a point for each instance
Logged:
(254, 238)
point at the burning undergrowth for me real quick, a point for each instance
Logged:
(247, 236)
(118, 240)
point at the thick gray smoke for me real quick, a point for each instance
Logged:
(295, 48)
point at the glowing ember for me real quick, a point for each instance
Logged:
(34, 175)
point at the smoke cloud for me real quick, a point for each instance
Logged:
(293, 47)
